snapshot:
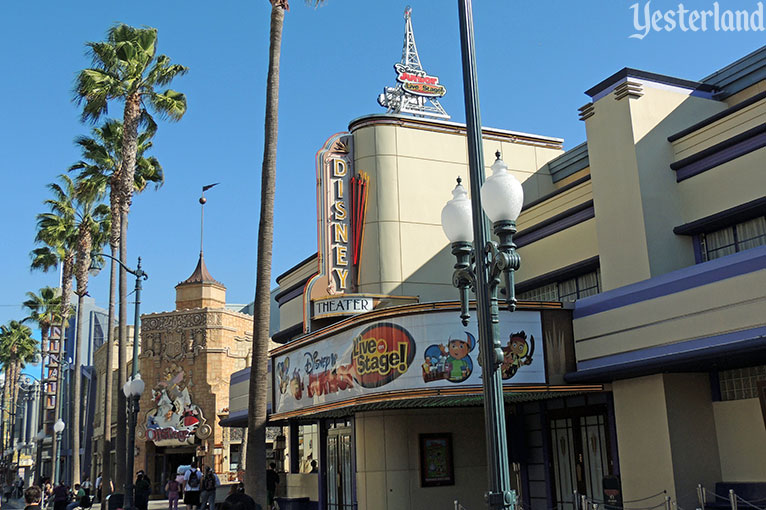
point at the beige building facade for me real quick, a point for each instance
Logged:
(642, 277)
(185, 359)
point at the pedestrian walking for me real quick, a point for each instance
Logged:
(210, 482)
(143, 489)
(238, 500)
(192, 479)
(173, 490)
(272, 481)
(60, 496)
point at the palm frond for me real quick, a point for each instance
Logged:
(170, 104)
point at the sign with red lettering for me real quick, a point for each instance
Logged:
(418, 82)
(419, 351)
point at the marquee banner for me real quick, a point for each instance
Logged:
(414, 352)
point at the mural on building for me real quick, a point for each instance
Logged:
(451, 361)
(174, 415)
(378, 357)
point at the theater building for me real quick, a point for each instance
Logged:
(186, 358)
(636, 358)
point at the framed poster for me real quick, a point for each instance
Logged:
(436, 468)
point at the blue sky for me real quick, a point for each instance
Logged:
(535, 60)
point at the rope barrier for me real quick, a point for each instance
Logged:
(748, 503)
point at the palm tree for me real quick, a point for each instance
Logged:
(126, 68)
(57, 233)
(100, 168)
(17, 347)
(91, 221)
(255, 472)
(45, 311)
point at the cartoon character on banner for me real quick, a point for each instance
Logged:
(450, 361)
(283, 372)
(173, 407)
(517, 353)
(296, 385)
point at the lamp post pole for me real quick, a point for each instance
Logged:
(490, 260)
(133, 389)
(58, 428)
(133, 409)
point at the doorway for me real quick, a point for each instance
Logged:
(340, 468)
(581, 454)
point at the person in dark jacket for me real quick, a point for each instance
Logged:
(60, 496)
(32, 497)
(143, 490)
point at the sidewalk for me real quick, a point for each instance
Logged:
(14, 504)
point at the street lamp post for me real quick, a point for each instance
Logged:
(132, 390)
(39, 437)
(140, 275)
(58, 428)
(464, 222)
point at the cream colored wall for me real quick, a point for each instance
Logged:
(306, 270)
(723, 187)
(719, 307)
(412, 173)
(720, 130)
(561, 249)
(556, 205)
(634, 191)
(291, 312)
(692, 424)
(643, 437)
(387, 458)
(741, 440)
(666, 436)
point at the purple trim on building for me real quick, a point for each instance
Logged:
(720, 153)
(568, 218)
(665, 357)
(291, 292)
(737, 264)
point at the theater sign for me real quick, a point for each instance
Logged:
(403, 354)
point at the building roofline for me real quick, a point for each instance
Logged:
(628, 72)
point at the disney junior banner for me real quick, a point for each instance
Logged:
(422, 351)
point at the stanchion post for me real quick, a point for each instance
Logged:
(732, 499)
(576, 500)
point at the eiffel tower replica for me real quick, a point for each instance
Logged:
(415, 92)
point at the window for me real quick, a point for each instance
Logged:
(733, 239)
(308, 446)
(571, 289)
(235, 456)
(741, 383)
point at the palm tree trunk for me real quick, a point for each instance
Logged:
(131, 117)
(106, 447)
(66, 291)
(122, 363)
(255, 472)
(77, 399)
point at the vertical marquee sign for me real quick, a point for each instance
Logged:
(342, 205)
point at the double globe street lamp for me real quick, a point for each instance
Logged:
(58, 428)
(480, 267)
(132, 389)
(134, 386)
(463, 221)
